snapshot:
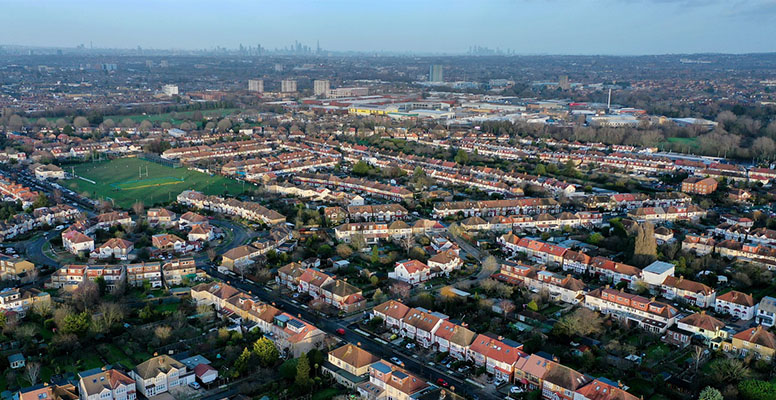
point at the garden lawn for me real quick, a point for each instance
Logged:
(120, 181)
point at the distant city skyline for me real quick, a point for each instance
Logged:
(613, 27)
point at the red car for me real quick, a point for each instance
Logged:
(340, 332)
(442, 382)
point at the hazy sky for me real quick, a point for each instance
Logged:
(445, 26)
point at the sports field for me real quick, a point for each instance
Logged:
(121, 181)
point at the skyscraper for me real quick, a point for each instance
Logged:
(321, 87)
(288, 85)
(563, 82)
(435, 73)
(256, 85)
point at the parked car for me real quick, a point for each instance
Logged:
(516, 390)
(442, 382)
(195, 385)
(396, 361)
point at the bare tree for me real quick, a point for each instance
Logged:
(138, 208)
(86, 294)
(108, 315)
(211, 254)
(400, 290)
(80, 122)
(32, 372)
(490, 265)
(507, 306)
(163, 333)
(697, 357)
(42, 308)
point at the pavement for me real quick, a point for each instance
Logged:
(367, 342)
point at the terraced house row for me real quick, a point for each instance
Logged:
(289, 333)
(490, 208)
(157, 274)
(541, 222)
(501, 357)
(363, 186)
(243, 209)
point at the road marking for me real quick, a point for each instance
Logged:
(377, 339)
(362, 333)
(475, 383)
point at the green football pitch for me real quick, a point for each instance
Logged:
(128, 180)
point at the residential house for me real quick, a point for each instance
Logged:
(737, 304)
(160, 217)
(697, 185)
(45, 391)
(202, 233)
(168, 242)
(174, 271)
(190, 219)
(14, 267)
(694, 292)
(701, 245)
(766, 312)
(76, 242)
(392, 313)
(343, 295)
(140, 273)
(160, 374)
(420, 324)
(562, 383)
(114, 247)
(445, 261)
(756, 341)
(239, 256)
(412, 272)
(454, 339)
(388, 381)
(349, 365)
(213, 293)
(106, 384)
(699, 324)
(648, 314)
(499, 356)
(604, 389)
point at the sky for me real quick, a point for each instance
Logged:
(613, 27)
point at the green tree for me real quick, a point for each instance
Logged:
(361, 168)
(595, 238)
(540, 170)
(101, 285)
(462, 157)
(266, 352)
(303, 371)
(375, 255)
(243, 362)
(41, 201)
(710, 393)
(755, 389)
(532, 306)
(288, 368)
(77, 324)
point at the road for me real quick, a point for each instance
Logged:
(330, 326)
(240, 235)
